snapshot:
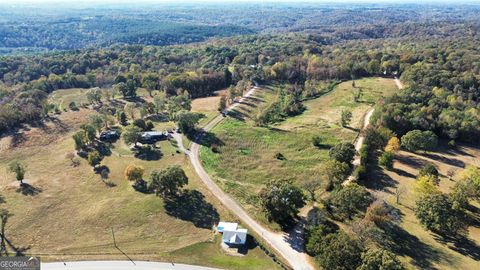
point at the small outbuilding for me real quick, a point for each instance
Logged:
(232, 234)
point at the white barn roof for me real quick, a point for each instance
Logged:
(238, 236)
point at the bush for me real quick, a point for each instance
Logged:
(364, 154)
(215, 148)
(359, 172)
(343, 152)
(149, 125)
(452, 144)
(377, 138)
(75, 162)
(317, 141)
(73, 106)
(279, 156)
(141, 186)
(386, 160)
(133, 173)
(94, 158)
(140, 123)
(428, 169)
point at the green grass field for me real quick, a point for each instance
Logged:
(70, 212)
(246, 161)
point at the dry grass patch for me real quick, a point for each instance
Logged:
(425, 249)
(72, 211)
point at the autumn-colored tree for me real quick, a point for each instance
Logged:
(426, 184)
(134, 173)
(393, 145)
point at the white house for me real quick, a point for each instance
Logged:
(232, 234)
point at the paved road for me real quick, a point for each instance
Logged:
(298, 260)
(120, 265)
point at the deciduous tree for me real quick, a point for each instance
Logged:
(169, 181)
(281, 201)
(346, 118)
(19, 169)
(131, 134)
(134, 173)
(436, 213)
(380, 259)
(339, 251)
(343, 152)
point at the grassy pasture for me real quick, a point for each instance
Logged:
(69, 212)
(422, 249)
(63, 97)
(247, 153)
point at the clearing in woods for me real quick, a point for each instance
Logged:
(246, 158)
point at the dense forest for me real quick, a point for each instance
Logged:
(437, 59)
(53, 28)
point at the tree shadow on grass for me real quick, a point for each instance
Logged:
(158, 118)
(377, 179)
(406, 244)
(450, 161)
(247, 103)
(148, 153)
(238, 115)
(17, 139)
(28, 190)
(460, 244)
(191, 206)
(353, 129)
(206, 138)
(60, 126)
(403, 173)
(254, 99)
(411, 161)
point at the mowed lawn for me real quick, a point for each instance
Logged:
(246, 160)
(70, 212)
(421, 249)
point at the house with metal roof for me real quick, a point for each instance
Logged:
(232, 234)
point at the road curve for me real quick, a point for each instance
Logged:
(361, 138)
(298, 260)
(120, 265)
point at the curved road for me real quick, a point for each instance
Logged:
(298, 260)
(359, 141)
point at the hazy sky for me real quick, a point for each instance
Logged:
(235, 1)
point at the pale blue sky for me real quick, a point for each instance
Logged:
(237, 1)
